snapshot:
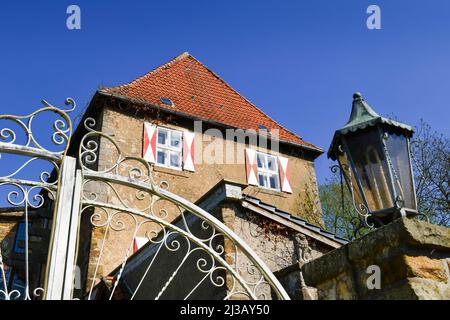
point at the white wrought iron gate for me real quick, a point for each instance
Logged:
(115, 232)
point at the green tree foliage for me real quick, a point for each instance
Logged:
(339, 214)
(431, 163)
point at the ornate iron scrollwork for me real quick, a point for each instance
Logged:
(362, 210)
(31, 194)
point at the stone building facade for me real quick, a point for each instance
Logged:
(176, 98)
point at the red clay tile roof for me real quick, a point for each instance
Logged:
(197, 91)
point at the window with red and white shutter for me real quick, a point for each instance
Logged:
(169, 148)
(267, 171)
(188, 151)
(251, 165)
(149, 147)
(285, 182)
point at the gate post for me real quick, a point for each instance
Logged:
(61, 259)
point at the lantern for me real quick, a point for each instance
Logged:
(375, 159)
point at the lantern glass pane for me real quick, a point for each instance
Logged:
(350, 179)
(370, 163)
(397, 146)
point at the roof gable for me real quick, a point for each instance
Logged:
(197, 91)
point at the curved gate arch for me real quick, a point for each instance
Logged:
(186, 253)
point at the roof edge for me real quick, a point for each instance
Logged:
(296, 220)
(317, 150)
(153, 71)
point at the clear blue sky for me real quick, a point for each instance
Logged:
(300, 61)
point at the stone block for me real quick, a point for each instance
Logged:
(412, 256)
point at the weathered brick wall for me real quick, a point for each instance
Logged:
(278, 246)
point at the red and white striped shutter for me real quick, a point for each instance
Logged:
(188, 151)
(149, 148)
(284, 174)
(138, 243)
(252, 167)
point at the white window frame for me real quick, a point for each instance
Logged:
(266, 172)
(168, 149)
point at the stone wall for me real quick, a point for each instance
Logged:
(278, 246)
(413, 258)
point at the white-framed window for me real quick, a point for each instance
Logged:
(268, 174)
(169, 148)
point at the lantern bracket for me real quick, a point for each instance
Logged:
(366, 218)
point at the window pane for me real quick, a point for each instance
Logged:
(161, 158)
(175, 139)
(261, 161)
(262, 180)
(398, 151)
(175, 159)
(271, 163)
(274, 181)
(162, 136)
(372, 168)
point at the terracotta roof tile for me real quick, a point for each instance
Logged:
(197, 91)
